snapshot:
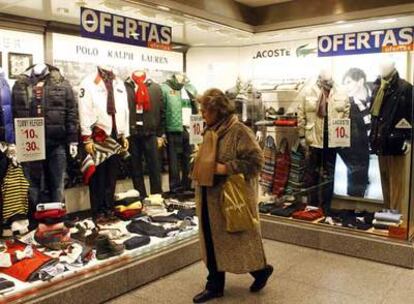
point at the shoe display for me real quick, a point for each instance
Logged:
(260, 282)
(106, 248)
(207, 295)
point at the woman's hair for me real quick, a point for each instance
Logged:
(215, 100)
(355, 74)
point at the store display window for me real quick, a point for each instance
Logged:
(336, 129)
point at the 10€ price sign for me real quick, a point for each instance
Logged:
(340, 133)
(196, 129)
(30, 139)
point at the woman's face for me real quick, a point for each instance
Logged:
(209, 116)
(353, 87)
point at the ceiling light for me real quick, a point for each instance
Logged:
(203, 27)
(340, 22)
(222, 32)
(163, 8)
(198, 44)
(390, 20)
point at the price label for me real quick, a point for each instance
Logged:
(340, 133)
(30, 139)
(196, 129)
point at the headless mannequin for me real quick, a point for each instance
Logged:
(386, 68)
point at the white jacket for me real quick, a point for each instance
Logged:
(93, 102)
(309, 123)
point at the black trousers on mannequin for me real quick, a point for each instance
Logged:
(102, 186)
(145, 146)
(179, 153)
(215, 279)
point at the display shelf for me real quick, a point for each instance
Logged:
(118, 274)
(339, 240)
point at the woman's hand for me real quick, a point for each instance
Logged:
(221, 169)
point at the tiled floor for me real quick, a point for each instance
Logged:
(302, 275)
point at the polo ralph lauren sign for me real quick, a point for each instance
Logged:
(110, 27)
(378, 41)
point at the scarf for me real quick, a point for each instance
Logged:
(142, 98)
(174, 84)
(107, 78)
(325, 86)
(205, 162)
(36, 78)
(379, 97)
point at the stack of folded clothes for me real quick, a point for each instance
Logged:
(288, 210)
(386, 219)
(310, 213)
(282, 169)
(155, 204)
(127, 212)
(52, 232)
(297, 171)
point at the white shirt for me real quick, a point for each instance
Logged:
(93, 103)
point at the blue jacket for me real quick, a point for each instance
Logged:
(6, 116)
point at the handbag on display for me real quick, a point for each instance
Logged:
(235, 207)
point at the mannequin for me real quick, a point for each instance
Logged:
(356, 157)
(249, 106)
(177, 126)
(147, 130)
(104, 120)
(391, 135)
(319, 104)
(52, 98)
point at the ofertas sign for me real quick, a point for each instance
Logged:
(196, 129)
(105, 26)
(380, 41)
(30, 139)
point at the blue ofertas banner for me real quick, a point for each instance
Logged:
(379, 41)
(105, 26)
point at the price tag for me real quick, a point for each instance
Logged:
(340, 133)
(196, 129)
(30, 139)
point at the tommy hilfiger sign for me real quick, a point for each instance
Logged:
(110, 27)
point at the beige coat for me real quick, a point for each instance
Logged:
(243, 251)
(309, 123)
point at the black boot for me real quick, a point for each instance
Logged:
(106, 248)
(207, 295)
(261, 278)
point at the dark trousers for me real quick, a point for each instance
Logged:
(179, 152)
(140, 147)
(46, 177)
(356, 159)
(102, 185)
(322, 166)
(215, 279)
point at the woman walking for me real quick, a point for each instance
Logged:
(228, 148)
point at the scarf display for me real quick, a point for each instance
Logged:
(379, 97)
(205, 162)
(325, 86)
(142, 97)
(107, 78)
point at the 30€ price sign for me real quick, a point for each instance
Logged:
(196, 129)
(30, 139)
(340, 133)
